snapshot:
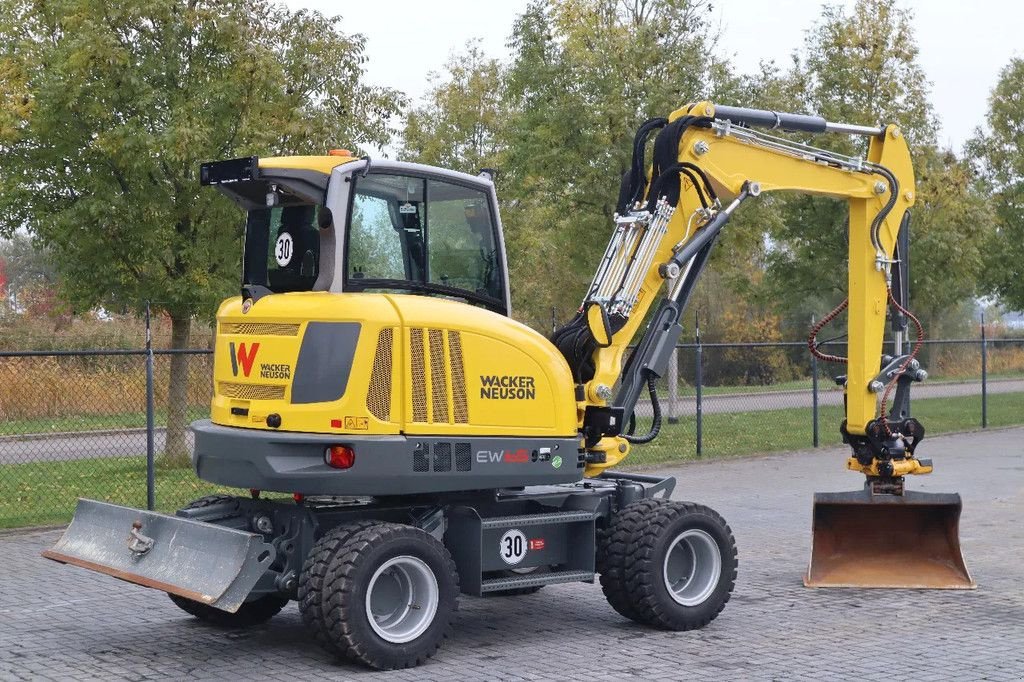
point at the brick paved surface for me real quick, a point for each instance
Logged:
(59, 622)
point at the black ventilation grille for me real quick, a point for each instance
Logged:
(420, 460)
(463, 457)
(442, 456)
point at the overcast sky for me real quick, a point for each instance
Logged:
(962, 51)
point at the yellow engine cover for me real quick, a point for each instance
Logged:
(362, 363)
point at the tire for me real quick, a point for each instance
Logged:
(250, 613)
(382, 568)
(311, 579)
(209, 501)
(680, 566)
(612, 548)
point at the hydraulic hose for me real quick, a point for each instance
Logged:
(656, 421)
(812, 339)
(884, 408)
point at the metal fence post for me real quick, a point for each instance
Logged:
(673, 386)
(814, 395)
(150, 418)
(984, 374)
(699, 384)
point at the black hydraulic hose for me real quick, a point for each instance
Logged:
(894, 190)
(653, 195)
(656, 420)
(633, 184)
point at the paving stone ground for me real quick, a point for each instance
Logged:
(59, 623)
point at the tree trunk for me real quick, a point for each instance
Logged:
(176, 448)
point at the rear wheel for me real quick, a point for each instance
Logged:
(209, 501)
(311, 580)
(253, 612)
(389, 596)
(680, 566)
(250, 613)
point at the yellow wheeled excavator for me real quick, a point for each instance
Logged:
(431, 445)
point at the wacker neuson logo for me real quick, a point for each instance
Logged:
(242, 358)
(507, 387)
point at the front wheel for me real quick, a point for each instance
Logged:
(680, 567)
(389, 596)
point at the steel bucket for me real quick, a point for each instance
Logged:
(911, 540)
(200, 561)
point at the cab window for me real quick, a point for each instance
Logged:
(282, 247)
(423, 235)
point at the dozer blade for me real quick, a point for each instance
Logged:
(200, 561)
(865, 540)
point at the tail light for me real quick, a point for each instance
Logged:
(340, 456)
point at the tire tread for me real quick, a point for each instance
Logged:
(311, 579)
(640, 571)
(338, 595)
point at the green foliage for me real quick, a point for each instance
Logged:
(558, 122)
(458, 125)
(862, 67)
(857, 67)
(1000, 150)
(108, 108)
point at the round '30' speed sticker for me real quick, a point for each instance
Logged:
(512, 547)
(283, 249)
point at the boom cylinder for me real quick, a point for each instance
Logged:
(796, 123)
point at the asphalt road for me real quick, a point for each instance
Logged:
(64, 623)
(85, 445)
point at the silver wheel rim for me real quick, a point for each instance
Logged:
(693, 566)
(401, 600)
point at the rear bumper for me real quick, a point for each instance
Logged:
(384, 465)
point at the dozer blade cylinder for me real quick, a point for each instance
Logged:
(898, 541)
(199, 561)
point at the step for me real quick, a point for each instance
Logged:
(531, 580)
(537, 519)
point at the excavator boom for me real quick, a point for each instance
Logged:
(707, 161)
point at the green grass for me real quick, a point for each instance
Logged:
(824, 384)
(744, 433)
(44, 493)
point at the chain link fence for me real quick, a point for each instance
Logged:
(722, 399)
(76, 424)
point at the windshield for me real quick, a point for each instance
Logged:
(424, 235)
(282, 248)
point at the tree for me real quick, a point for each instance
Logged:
(862, 67)
(28, 272)
(457, 126)
(584, 74)
(1000, 151)
(108, 107)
